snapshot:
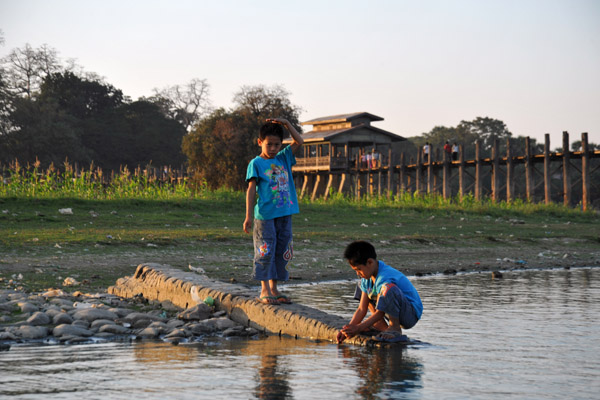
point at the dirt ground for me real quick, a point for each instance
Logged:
(312, 262)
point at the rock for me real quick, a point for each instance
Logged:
(198, 312)
(92, 314)
(121, 312)
(136, 316)
(176, 333)
(114, 329)
(81, 323)
(52, 311)
(141, 323)
(496, 275)
(224, 323)
(28, 307)
(62, 318)
(203, 327)
(4, 347)
(38, 318)
(31, 332)
(100, 322)
(234, 331)
(7, 336)
(63, 304)
(150, 333)
(175, 323)
(54, 293)
(70, 330)
(169, 306)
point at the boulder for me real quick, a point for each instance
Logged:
(39, 318)
(101, 322)
(70, 330)
(31, 332)
(28, 307)
(198, 312)
(92, 314)
(62, 318)
(114, 329)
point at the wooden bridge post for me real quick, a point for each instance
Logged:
(566, 159)
(461, 172)
(547, 178)
(585, 172)
(390, 188)
(446, 177)
(478, 170)
(402, 187)
(495, 172)
(418, 174)
(430, 172)
(528, 170)
(510, 170)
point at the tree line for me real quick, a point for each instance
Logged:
(52, 111)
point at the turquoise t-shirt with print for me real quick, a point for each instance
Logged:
(387, 274)
(275, 187)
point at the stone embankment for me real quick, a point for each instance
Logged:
(185, 289)
(157, 302)
(56, 317)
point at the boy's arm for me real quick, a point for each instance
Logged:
(250, 199)
(353, 326)
(297, 139)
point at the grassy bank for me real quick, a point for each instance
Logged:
(57, 224)
(99, 240)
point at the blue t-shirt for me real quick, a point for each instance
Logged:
(275, 187)
(387, 274)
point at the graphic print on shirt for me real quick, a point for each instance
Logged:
(280, 186)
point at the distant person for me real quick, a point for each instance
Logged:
(385, 292)
(454, 152)
(270, 176)
(375, 159)
(448, 150)
(426, 151)
(368, 160)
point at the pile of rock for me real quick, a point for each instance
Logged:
(58, 317)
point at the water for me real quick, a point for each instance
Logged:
(533, 334)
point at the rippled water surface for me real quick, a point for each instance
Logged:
(533, 334)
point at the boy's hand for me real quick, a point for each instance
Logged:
(247, 225)
(341, 337)
(350, 330)
(281, 121)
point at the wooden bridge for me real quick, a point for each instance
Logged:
(499, 177)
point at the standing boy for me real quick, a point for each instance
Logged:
(269, 176)
(386, 292)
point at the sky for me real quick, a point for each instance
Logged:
(533, 64)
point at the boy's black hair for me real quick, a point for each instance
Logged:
(358, 252)
(270, 129)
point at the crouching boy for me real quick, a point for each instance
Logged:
(386, 292)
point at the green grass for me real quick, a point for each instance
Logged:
(144, 218)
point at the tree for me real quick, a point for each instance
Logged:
(485, 129)
(186, 104)
(221, 145)
(26, 68)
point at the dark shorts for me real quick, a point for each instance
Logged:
(273, 248)
(393, 303)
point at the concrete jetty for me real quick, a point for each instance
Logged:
(186, 289)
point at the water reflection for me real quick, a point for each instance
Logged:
(383, 371)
